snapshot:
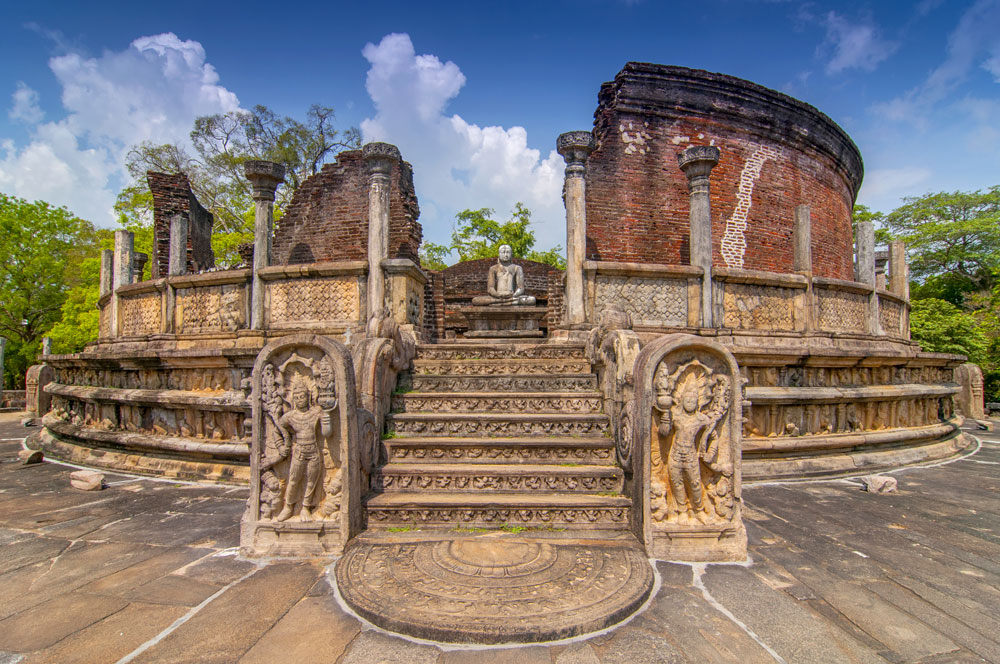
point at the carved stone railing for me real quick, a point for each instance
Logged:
(316, 296)
(611, 349)
(660, 296)
(759, 301)
(141, 309)
(667, 298)
(840, 306)
(213, 302)
(894, 315)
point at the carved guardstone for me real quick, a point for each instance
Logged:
(304, 460)
(687, 428)
(38, 401)
(970, 398)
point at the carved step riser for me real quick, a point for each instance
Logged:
(499, 383)
(431, 426)
(500, 352)
(458, 518)
(501, 454)
(408, 403)
(473, 368)
(474, 483)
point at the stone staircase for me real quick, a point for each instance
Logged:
(498, 435)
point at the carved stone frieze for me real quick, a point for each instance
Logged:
(890, 314)
(503, 368)
(473, 515)
(854, 376)
(431, 426)
(503, 352)
(305, 456)
(839, 311)
(211, 309)
(140, 314)
(502, 383)
(434, 403)
(477, 453)
(755, 307)
(650, 301)
(517, 482)
(314, 300)
(686, 425)
(201, 379)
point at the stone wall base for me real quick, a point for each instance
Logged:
(700, 544)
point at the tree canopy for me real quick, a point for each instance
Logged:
(221, 144)
(477, 234)
(42, 248)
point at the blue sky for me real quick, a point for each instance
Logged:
(475, 94)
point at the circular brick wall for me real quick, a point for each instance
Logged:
(776, 153)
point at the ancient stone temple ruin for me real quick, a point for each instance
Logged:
(716, 324)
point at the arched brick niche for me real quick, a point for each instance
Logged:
(776, 153)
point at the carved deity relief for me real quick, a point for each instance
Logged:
(692, 471)
(300, 465)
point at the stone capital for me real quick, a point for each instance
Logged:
(265, 176)
(575, 147)
(698, 160)
(380, 157)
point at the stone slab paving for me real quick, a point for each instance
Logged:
(146, 571)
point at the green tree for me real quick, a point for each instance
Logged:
(478, 235)
(42, 248)
(953, 240)
(941, 327)
(221, 144)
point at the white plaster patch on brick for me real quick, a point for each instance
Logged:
(734, 242)
(635, 139)
(677, 140)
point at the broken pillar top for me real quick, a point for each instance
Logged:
(265, 176)
(380, 157)
(575, 146)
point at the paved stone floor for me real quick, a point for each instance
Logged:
(146, 571)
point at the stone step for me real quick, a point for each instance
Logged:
(497, 424)
(499, 350)
(495, 509)
(516, 478)
(500, 367)
(497, 402)
(590, 450)
(577, 382)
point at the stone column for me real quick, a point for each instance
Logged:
(46, 346)
(575, 147)
(3, 347)
(107, 268)
(899, 270)
(697, 163)
(265, 176)
(178, 251)
(121, 272)
(802, 263)
(864, 265)
(380, 158)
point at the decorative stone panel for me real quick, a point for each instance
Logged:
(841, 311)
(210, 309)
(890, 315)
(650, 301)
(140, 314)
(320, 300)
(756, 307)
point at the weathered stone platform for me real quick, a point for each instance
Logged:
(492, 590)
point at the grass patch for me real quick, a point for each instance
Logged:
(400, 529)
(388, 435)
(508, 528)
(461, 529)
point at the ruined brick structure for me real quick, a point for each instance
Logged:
(327, 219)
(776, 152)
(172, 195)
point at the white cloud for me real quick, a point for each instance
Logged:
(891, 184)
(25, 108)
(855, 45)
(457, 164)
(974, 41)
(153, 90)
